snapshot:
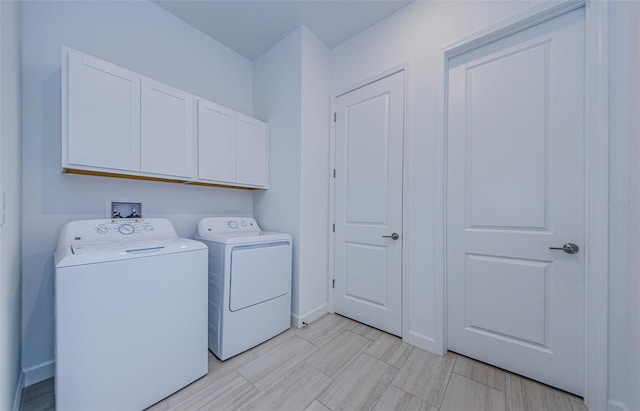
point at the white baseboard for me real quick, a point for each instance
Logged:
(424, 342)
(17, 397)
(37, 373)
(315, 313)
(299, 320)
(296, 321)
(615, 405)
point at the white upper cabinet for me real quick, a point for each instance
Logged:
(251, 151)
(166, 145)
(120, 123)
(216, 142)
(232, 147)
(102, 114)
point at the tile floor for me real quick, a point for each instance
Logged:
(339, 364)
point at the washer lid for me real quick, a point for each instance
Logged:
(82, 254)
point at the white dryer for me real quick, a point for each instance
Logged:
(249, 283)
(130, 314)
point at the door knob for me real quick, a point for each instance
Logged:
(393, 236)
(568, 248)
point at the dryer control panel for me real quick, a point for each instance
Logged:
(230, 225)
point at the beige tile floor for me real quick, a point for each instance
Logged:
(339, 364)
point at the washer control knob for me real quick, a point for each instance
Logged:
(244, 223)
(148, 227)
(126, 229)
(233, 224)
(101, 230)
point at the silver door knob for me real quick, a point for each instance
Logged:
(393, 236)
(568, 248)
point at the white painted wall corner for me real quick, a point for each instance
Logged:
(17, 397)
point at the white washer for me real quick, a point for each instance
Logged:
(130, 311)
(249, 283)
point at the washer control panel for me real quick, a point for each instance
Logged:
(124, 227)
(111, 230)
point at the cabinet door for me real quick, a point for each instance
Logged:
(167, 130)
(251, 151)
(216, 142)
(102, 119)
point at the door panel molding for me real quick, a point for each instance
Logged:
(596, 173)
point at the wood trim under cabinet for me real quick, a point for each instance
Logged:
(148, 178)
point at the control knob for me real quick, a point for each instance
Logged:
(126, 229)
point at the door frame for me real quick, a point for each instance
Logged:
(596, 176)
(406, 149)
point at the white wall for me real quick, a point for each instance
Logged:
(140, 36)
(291, 92)
(10, 184)
(413, 36)
(624, 212)
(277, 100)
(314, 176)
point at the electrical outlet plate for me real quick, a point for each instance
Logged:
(124, 209)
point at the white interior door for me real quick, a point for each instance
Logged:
(515, 188)
(368, 204)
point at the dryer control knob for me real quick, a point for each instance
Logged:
(101, 230)
(126, 229)
(233, 224)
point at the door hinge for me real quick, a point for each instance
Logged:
(335, 116)
(334, 227)
(334, 173)
(333, 283)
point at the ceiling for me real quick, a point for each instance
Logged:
(251, 27)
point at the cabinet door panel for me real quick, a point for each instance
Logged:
(251, 150)
(167, 130)
(216, 142)
(103, 114)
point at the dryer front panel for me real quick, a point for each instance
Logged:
(259, 273)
